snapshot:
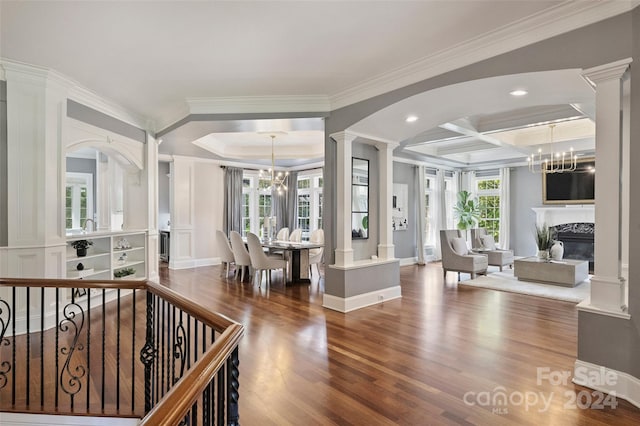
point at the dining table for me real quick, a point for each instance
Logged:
(297, 253)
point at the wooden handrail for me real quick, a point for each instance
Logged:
(175, 404)
(66, 283)
(214, 320)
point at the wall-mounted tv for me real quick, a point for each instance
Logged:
(575, 187)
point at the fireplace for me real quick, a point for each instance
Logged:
(578, 240)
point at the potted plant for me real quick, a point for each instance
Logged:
(467, 210)
(544, 239)
(81, 247)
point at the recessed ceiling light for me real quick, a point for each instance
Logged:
(518, 92)
(411, 118)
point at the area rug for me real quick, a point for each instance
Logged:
(505, 281)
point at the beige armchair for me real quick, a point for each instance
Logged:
(455, 256)
(484, 243)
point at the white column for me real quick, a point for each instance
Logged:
(344, 252)
(152, 212)
(36, 110)
(607, 285)
(385, 157)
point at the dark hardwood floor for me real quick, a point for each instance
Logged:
(410, 361)
(442, 354)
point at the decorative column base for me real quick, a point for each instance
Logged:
(344, 257)
(386, 251)
(608, 294)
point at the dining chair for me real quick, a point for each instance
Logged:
(240, 253)
(315, 255)
(283, 234)
(296, 235)
(224, 250)
(261, 261)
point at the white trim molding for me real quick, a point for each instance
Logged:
(349, 304)
(608, 380)
(259, 104)
(553, 21)
(195, 263)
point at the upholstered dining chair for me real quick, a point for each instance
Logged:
(315, 255)
(283, 234)
(296, 235)
(262, 262)
(240, 253)
(456, 256)
(485, 244)
(224, 250)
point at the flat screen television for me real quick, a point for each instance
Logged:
(576, 187)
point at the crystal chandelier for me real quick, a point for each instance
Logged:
(555, 162)
(278, 182)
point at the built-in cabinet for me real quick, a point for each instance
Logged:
(109, 257)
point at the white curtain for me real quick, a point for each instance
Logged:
(505, 222)
(439, 211)
(422, 211)
(468, 182)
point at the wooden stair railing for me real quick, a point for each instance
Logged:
(98, 348)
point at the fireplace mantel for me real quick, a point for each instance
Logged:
(552, 216)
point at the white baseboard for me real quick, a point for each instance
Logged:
(21, 419)
(406, 261)
(349, 304)
(621, 384)
(193, 263)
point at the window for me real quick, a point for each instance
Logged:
(309, 206)
(488, 190)
(78, 200)
(256, 202)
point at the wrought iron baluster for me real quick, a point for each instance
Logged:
(233, 385)
(88, 293)
(180, 349)
(28, 362)
(188, 340)
(73, 322)
(133, 356)
(41, 346)
(118, 350)
(104, 326)
(161, 367)
(13, 347)
(195, 340)
(173, 345)
(165, 347)
(220, 395)
(147, 354)
(206, 405)
(57, 345)
(5, 319)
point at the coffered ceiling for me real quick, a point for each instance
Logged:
(161, 61)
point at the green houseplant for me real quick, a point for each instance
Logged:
(467, 210)
(81, 247)
(544, 239)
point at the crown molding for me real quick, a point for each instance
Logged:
(259, 104)
(551, 22)
(77, 92)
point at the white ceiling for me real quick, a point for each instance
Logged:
(163, 60)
